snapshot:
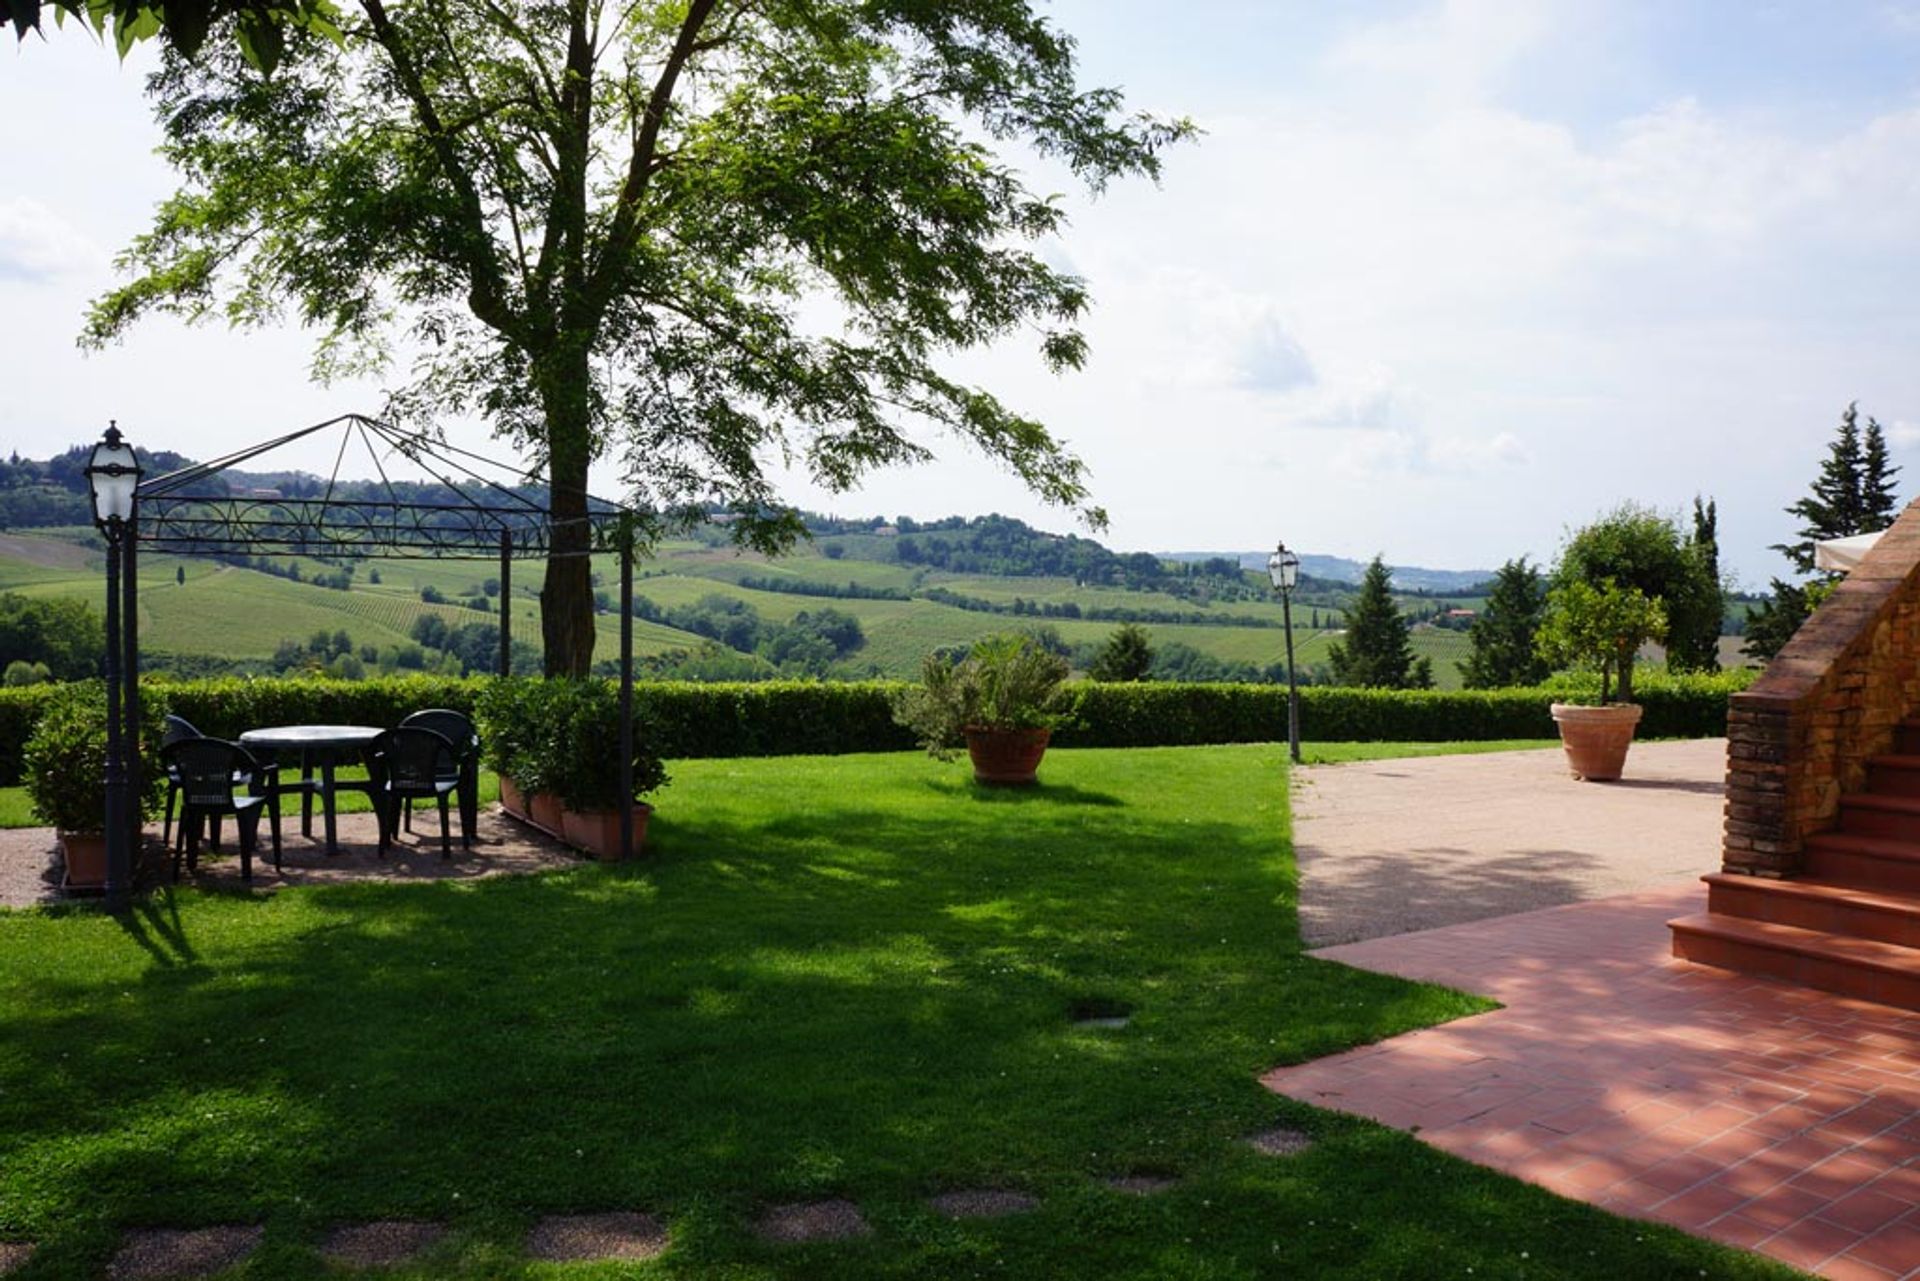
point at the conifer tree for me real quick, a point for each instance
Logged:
(1127, 656)
(1503, 635)
(1878, 506)
(1693, 645)
(1376, 651)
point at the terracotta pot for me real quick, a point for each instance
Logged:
(510, 798)
(544, 808)
(86, 855)
(598, 831)
(1596, 738)
(1006, 757)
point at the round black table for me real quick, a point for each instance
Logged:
(322, 747)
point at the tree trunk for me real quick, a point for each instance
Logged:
(566, 598)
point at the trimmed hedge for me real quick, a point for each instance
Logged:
(780, 718)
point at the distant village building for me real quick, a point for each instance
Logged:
(265, 493)
(888, 531)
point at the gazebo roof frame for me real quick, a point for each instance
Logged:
(178, 515)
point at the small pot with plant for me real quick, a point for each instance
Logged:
(1002, 700)
(1599, 628)
(64, 762)
(508, 712)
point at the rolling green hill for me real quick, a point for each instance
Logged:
(232, 613)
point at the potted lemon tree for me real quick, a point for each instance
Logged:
(1002, 700)
(1599, 628)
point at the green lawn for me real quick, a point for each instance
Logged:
(832, 976)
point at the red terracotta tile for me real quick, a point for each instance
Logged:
(1809, 1243)
(1850, 1267)
(1867, 1212)
(1896, 1248)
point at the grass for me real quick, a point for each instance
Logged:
(832, 976)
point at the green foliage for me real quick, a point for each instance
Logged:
(63, 634)
(1005, 682)
(1693, 643)
(1853, 494)
(1502, 634)
(1637, 550)
(560, 736)
(1600, 628)
(1376, 652)
(1127, 656)
(259, 28)
(1773, 623)
(21, 672)
(64, 760)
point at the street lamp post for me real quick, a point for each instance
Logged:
(113, 474)
(1283, 567)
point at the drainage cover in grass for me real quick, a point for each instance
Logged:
(14, 1254)
(1140, 1184)
(1100, 1012)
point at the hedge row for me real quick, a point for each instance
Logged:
(778, 718)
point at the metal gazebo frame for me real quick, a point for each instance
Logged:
(485, 517)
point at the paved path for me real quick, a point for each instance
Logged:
(1385, 847)
(1750, 1111)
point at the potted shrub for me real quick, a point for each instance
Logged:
(1002, 700)
(508, 713)
(584, 771)
(64, 761)
(1599, 628)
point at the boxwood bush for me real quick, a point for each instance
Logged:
(779, 718)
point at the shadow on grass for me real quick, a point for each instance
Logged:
(862, 997)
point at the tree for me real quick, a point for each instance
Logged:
(1376, 651)
(1636, 547)
(1853, 494)
(1125, 657)
(259, 27)
(1502, 635)
(64, 635)
(1600, 625)
(1694, 646)
(180, 575)
(619, 228)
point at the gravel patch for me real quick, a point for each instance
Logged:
(566, 1238)
(982, 1203)
(381, 1244)
(155, 1254)
(1140, 1184)
(834, 1220)
(14, 1254)
(1389, 847)
(30, 866)
(1279, 1141)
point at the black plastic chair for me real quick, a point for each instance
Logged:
(457, 728)
(408, 764)
(212, 773)
(178, 730)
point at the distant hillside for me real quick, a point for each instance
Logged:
(1339, 569)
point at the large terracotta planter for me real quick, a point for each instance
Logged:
(1596, 739)
(544, 808)
(511, 799)
(86, 855)
(598, 831)
(1007, 757)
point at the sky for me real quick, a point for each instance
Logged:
(1439, 281)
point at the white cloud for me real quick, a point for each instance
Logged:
(36, 244)
(1271, 359)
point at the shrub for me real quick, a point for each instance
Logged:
(558, 736)
(65, 759)
(1005, 682)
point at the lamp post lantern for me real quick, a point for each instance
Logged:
(113, 476)
(1283, 567)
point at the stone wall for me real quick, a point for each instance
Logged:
(1800, 737)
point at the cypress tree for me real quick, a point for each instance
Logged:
(1693, 644)
(1878, 506)
(1502, 636)
(1376, 651)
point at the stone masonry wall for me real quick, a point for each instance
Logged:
(1800, 737)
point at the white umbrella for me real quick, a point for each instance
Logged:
(1842, 554)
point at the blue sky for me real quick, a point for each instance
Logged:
(1439, 280)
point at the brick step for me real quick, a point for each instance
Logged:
(1868, 969)
(1893, 817)
(1866, 862)
(1894, 775)
(1818, 905)
(1906, 738)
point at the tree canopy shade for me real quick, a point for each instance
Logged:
(701, 235)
